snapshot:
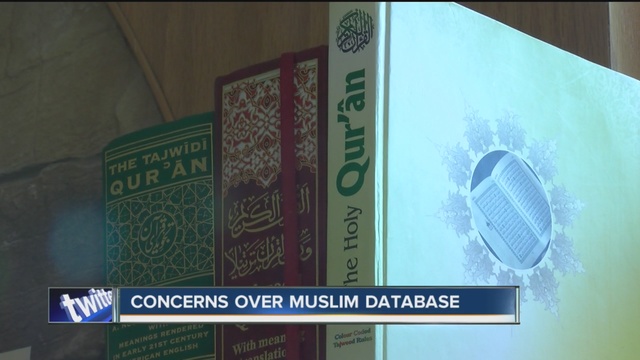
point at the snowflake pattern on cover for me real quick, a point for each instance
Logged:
(456, 213)
(480, 266)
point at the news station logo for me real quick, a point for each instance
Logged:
(80, 305)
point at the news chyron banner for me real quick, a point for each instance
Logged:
(406, 305)
(81, 305)
(261, 305)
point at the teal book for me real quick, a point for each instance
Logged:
(158, 192)
(463, 152)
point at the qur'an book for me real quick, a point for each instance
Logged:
(158, 185)
(270, 190)
(471, 154)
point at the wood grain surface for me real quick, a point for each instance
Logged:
(624, 19)
(185, 46)
(581, 28)
(188, 45)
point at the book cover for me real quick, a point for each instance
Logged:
(487, 158)
(253, 139)
(159, 229)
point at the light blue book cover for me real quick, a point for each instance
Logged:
(500, 160)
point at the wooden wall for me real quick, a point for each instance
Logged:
(581, 28)
(183, 47)
(624, 22)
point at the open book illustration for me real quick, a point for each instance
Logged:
(511, 210)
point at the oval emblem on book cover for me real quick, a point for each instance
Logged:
(511, 209)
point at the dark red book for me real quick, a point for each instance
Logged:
(270, 194)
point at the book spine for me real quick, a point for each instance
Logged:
(288, 185)
(355, 159)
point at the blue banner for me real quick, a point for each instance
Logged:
(320, 304)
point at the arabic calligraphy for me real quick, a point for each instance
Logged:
(263, 254)
(354, 31)
(157, 234)
(258, 213)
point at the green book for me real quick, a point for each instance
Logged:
(159, 229)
